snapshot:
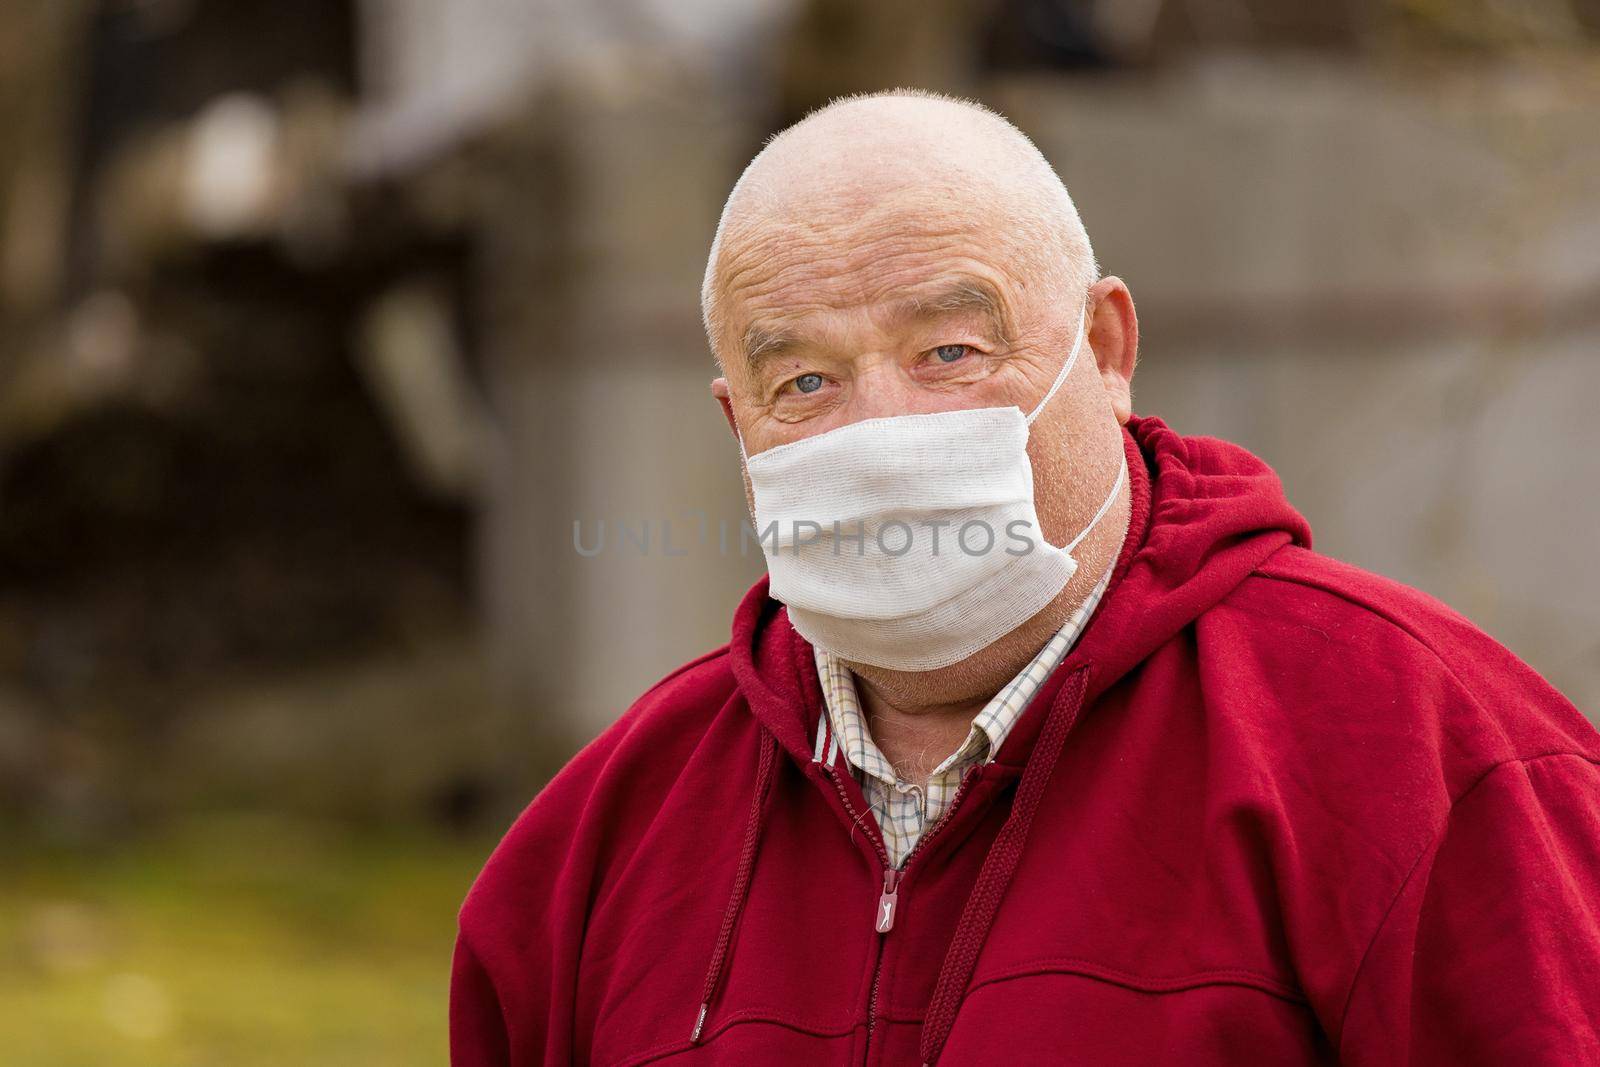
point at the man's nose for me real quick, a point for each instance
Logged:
(883, 388)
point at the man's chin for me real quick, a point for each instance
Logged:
(980, 675)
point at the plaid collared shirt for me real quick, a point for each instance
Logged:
(905, 809)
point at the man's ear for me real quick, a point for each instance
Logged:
(1114, 336)
(719, 389)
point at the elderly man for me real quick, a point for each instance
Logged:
(1047, 739)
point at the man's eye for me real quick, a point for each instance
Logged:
(950, 353)
(808, 383)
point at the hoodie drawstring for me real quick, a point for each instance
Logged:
(741, 879)
(998, 868)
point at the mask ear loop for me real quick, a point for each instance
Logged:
(737, 436)
(1122, 476)
(1066, 368)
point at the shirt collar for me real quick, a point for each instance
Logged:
(990, 726)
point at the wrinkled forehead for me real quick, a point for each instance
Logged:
(782, 265)
(845, 264)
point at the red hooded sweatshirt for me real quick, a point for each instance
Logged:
(1270, 810)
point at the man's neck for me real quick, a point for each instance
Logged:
(918, 718)
(916, 738)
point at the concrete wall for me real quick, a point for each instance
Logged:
(1389, 288)
(603, 381)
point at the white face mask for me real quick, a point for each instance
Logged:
(911, 542)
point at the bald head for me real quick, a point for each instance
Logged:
(841, 185)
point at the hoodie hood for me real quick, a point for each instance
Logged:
(1205, 514)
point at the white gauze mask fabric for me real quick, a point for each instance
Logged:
(911, 542)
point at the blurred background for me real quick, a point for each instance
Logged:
(357, 462)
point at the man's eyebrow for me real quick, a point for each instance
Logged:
(965, 294)
(764, 342)
(761, 343)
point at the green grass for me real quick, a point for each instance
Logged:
(234, 943)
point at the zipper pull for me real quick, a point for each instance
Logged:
(888, 901)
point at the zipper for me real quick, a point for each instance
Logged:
(889, 899)
(887, 902)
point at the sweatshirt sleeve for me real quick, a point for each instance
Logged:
(477, 1029)
(1490, 954)
(514, 978)
(515, 987)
